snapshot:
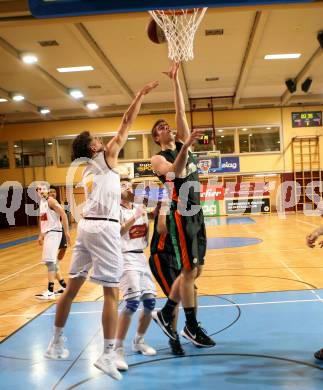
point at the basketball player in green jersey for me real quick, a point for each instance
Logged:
(176, 167)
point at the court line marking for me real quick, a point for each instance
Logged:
(261, 251)
(307, 223)
(290, 270)
(201, 306)
(18, 272)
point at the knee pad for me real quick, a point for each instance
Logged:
(51, 266)
(131, 307)
(149, 305)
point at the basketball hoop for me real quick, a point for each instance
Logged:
(179, 27)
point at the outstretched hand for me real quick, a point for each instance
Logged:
(196, 134)
(173, 71)
(149, 87)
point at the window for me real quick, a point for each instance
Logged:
(64, 151)
(225, 141)
(133, 148)
(259, 139)
(33, 153)
(49, 145)
(4, 160)
(17, 151)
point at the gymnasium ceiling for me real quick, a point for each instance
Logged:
(124, 60)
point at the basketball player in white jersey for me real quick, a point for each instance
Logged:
(98, 236)
(136, 282)
(51, 214)
(63, 244)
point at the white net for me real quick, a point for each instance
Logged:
(179, 27)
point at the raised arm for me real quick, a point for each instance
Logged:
(117, 143)
(162, 167)
(183, 130)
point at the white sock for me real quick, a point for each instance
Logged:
(118, 344)
(58, 332)
(108, 345)
(138, 337)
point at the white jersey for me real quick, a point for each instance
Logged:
(135, 239)
(49, 219)
(102, 189)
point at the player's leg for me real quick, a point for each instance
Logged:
(49, 258)
(196, 245)
(56, 348)
(130, 287)
(149, 301)
(105, 249)
(60, 280)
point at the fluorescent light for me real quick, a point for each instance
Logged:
(15, 146)
(17, 97)
(75, 69)
(222, 136)
(220, 131)
(92, 106)
(131, 138)
(244, 129)
(49, 143)
(76, 93)
(3, 100)
(282, 56)
(29, 58)
(44, 110)
(250, 135)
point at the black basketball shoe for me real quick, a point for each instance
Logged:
(176, 346)
(198, 337)
(164, 324)
(319, 354)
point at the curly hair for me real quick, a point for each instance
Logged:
(81, 145)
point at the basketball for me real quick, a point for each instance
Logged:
(155, 33)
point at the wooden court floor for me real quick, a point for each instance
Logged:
(280, 261)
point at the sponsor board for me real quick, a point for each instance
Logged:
(247, 206)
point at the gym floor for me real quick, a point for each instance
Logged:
(259, 284)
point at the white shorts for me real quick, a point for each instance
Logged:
(134, 284)
(98, 248)
(51, 246)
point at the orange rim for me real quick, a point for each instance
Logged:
(178, 12)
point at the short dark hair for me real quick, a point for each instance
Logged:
(81, 145)
(154, 128)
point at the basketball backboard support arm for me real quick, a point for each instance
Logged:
(60, 8)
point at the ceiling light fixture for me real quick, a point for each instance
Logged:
(76, 93)
(75, 69)
(17, 97)
(3, 100)
(282, 56)
(220, 131)
(44, 110)
(92, 106)
(131, 138)
(29, 58)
